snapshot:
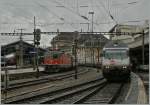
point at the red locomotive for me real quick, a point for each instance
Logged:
(56, 60)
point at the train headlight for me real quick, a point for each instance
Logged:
(124, 67)
(107, 67)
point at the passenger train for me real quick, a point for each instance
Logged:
(9, 59)
(57, 61)
(116, 61)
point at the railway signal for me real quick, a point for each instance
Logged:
(74, 52)
(37, 34)
(75, 56)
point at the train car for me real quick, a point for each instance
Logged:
(57, 61)
(11, 59)
(116, 61)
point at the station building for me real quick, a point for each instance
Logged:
(90, 50)
(21, 52)
(136, 42)
(89, 46)
(64, 41)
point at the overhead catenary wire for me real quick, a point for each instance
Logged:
(56, 15)
(126, 3)
(71, 10)
(108, 11)
(72, 24)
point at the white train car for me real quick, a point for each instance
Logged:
(116, 61)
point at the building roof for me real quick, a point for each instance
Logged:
(13, 44)
(113, 28)
(115, 44)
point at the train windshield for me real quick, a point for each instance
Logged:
(53, 54)
(118, 54)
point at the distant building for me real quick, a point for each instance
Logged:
(88, 45)
(64, 41)
(89, 51)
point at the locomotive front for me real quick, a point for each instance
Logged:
(116, 61)
(55, 61)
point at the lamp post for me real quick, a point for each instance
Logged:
(21, 48)
(98, 51)
(92, 19)
(143, 55)
(74, 45)
(92, 50)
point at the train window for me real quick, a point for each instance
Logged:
(115, 54)
(55, 55)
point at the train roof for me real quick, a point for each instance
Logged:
(112, 45)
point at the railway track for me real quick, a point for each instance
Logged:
(107, 95)
(56, 94)
(97, 91)
(41, 80)
(93, 92)
(92, 95)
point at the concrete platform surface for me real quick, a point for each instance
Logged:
(22, 70)
(136, 93)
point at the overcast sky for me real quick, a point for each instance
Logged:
(68, 15)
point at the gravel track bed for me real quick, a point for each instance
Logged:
(72, 99)
(46, 97)
(30, 88)
(57, 84)
(104, 95)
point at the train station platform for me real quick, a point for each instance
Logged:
(21, 70)
(136, 92)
